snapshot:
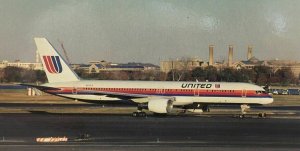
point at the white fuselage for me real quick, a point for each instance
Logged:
(182, 93)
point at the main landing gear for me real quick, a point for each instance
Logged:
(205, 108)
(196, 108)
(139, 112)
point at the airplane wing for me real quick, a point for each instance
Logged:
(119, 95)
(116, 94)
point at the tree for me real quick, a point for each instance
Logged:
(80, 72)
(199, 74)
(12, 74)
(173, 75)
(211, 73)
(262, 74)
(227, 75)
(28, 76)
(40, 76)
(245, 75)
(286, 76)
(1, 75)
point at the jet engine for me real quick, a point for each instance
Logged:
(160, 105)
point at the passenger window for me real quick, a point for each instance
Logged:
(260, 92)
(264, 92)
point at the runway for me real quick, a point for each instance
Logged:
(123, 132)
(108, 109)
(112, 128)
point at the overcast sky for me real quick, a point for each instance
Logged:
(151, 30)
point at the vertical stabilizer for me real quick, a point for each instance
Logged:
(54, 65)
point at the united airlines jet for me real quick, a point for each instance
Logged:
(155, 96)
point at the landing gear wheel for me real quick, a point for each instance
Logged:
(262, 115)
(242, 116)
(139, 114)
(135, 114)
(143, 114)
(205, 108)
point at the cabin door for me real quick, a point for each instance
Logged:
(196, 92)
(74, 90)
(244, 93)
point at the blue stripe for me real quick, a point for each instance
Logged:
(54, 63)
(58, 64)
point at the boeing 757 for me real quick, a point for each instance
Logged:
(156, 96)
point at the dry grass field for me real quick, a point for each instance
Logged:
(20, 96)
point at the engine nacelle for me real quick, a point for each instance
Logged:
(160, 105)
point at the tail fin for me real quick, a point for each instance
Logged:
(54, 65)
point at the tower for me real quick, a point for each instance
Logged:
(230, 56)
(249, 53)
(211, 55)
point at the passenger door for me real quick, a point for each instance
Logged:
(196, 92)
(74, 90)
(244, 93)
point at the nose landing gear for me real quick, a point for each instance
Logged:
(244, 108)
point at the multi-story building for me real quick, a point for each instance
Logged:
(181, 64)
(274, 64)
(98, 66)
(25, 65)
(250, 63)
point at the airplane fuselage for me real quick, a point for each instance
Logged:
(182, 93)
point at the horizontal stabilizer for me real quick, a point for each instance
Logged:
(42, 88)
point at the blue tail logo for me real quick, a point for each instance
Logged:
(53, 64)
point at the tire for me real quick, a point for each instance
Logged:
(143, 114)
(135, 114)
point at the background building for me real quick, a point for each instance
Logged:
(181, 64)
(98, 66)
(25, 65)
(251, 61)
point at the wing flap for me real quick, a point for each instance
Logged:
(118, 95)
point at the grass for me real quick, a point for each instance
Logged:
(20, 96)
(286, 100)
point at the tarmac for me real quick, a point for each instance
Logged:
(113, 128)
(120, 131)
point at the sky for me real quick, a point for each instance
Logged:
(151, 30)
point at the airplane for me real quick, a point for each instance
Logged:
(159, 97)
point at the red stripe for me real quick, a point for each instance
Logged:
(250, 93)
(47, 64)
(179, 93)
(51, 64)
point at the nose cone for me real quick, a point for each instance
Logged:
(269, 100)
